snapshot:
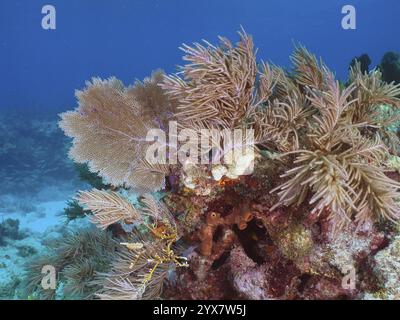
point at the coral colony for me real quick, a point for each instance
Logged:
(235, 178)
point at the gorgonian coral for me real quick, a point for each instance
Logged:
(330, 141)
(219, 84)
(147, 255)
(78, 256)
(340, 158)
(308, 114)
(109, 129)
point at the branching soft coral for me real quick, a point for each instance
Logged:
(144, 259)
(77, 257)
(219, 86)
(139, 271)
(340, 163)
(375, 105)
(332, 131)
(108, 208)
(306, 113)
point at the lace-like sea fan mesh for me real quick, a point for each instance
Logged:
(109, 130)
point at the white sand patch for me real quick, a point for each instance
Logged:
(14, 255)
(41, 220)
(46, 215)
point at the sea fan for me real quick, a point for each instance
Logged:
(109, 129)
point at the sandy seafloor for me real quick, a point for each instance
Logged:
(40, 225)
(38, 179)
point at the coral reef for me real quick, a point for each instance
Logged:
(74, 210)
(77, 257)
(145, 259)
(9, 229)
(390, 66)
(91, 178)
(312, 195)
(386, 266)
(32, 152)
(364, 61)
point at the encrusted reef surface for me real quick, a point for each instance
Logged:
(308, 209)
(284, 255)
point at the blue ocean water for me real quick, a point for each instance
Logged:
(40, 70)
(129, 38)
